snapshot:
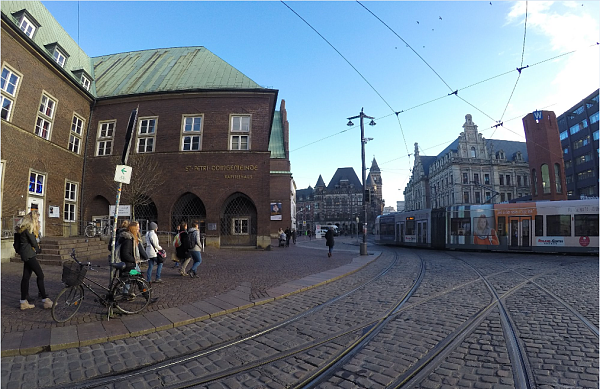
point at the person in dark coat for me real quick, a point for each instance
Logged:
(329, 241)
(288, 236)
(132, 250)
(29, 232)
(183, 251)
(120, 230)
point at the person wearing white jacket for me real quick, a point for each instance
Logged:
(152, 248)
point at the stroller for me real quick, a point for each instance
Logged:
(282, 239)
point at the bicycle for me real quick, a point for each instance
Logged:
(129, 293)
(92, 229)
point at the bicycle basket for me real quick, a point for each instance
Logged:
(73, 273)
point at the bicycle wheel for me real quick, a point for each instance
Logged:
(67, 303)
(131, 294)
(90, 231)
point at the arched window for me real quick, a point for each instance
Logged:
(546, 179)
(534, 181)
(557, 178)
(473, 153)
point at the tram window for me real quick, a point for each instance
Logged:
(586, 225)
(558, 225)
(501, 226)
(410, 227)
(460, 226)
(539, 225)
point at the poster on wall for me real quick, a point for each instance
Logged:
(54, 211)
(276, 211)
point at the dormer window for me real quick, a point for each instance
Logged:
(85, 82)
(26, 26)
(59, 57)
(84, 78)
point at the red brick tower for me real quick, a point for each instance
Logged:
(545, 156)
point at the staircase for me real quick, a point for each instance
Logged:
(57, 250)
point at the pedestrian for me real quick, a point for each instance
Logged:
(281, 237)
(28, 235)
(329, 241)
(288, 236)
(132, 250)
(196, 250)
(152, 248)
(120, 230)
(183, 251)
(294, 236)
(309, 232)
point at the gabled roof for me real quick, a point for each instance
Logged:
(304, 194)
(50, 34)
(374, 166)
(276, 144)
(427, 162)
(344, 173)
(166, 70)
(320, 182)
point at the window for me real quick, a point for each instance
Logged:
(85, 82)
(539, 225)
(488, 196)
(27, 27)
(534, 175)
(569, 179)
(519, 182)
(594, 117)
(106, 131)
(239, 226)
(508, 196)
(507, 179)
(70, 202)
(588, 191)
(240, 133)
(583, 159)
(564, 135)
(486, 179)
(59, 57)
(476, 178)
(568, 164)
(37, 182)
(9, 86)
(578, 111)
(545, 178)
(566, 150)
(465, 178)
(558, 225)
(585, 175)
(502, 197)
(477, 197)
(557, 180)
(473, 152)
(75, 136)
(43, 124)
(192, 133)
(501, 179)
(466, 197)
(579, 126)
(460, 226)
(586, 225)
(581, 142)
(595, 135)
(146, 135)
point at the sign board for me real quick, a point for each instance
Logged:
(276, 211)
(54, 211)
(318, 231)
(123, 174)
(537, 115)
(124, 210)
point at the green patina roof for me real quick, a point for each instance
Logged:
(166, 70)
(276, 146)
(49, 33)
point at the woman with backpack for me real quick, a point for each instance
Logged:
(28, 233)
(196, 248)
(183, 249)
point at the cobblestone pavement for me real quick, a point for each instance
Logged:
(452, 321)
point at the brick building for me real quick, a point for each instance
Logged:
(208, 145)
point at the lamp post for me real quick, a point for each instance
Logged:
(363, 141)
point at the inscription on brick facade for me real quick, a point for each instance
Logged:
(205, 168)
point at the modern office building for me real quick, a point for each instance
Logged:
(578, 128)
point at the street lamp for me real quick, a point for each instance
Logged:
(363, 141)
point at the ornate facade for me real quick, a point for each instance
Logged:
(471, 170)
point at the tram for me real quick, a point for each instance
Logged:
(569, 226)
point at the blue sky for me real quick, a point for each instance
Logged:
(452, 46)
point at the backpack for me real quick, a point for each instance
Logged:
(17, 242)
(117, 252)
(177, 241)
(193, 239)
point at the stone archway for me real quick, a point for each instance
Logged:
(238, 221)
(188, 208)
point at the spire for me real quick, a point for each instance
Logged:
(374, 166)
(320, 182)
(416, 149)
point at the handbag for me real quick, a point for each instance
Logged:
(161, 254)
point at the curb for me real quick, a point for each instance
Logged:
(60, 338)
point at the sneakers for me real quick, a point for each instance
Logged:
(183, 273)
(192, 274)
(159, 281)
(48, 304)
(329, 254)
(26, 305)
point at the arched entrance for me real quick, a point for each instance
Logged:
(238, 221)
(187, 208)
(145, 212)
(97, 208)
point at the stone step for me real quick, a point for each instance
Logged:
(56, 251)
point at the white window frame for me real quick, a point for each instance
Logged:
(104, 137)
(27, 27)
(70, 201)
(60, 57)
(189, 135)
(85, 82)
(6, 94)
(36, 180)
(146, 135)
(76, 132)
(239, 128)
(240, 221)
(45, 116)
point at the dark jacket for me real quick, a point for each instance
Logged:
(329, 236)
(119, 232)
(127, 255)
(183, 251)
(29, 246)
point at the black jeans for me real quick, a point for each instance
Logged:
(29, 266)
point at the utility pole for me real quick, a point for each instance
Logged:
(363, 141)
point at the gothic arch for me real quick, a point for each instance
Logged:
(238, 221)
(188, 208)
